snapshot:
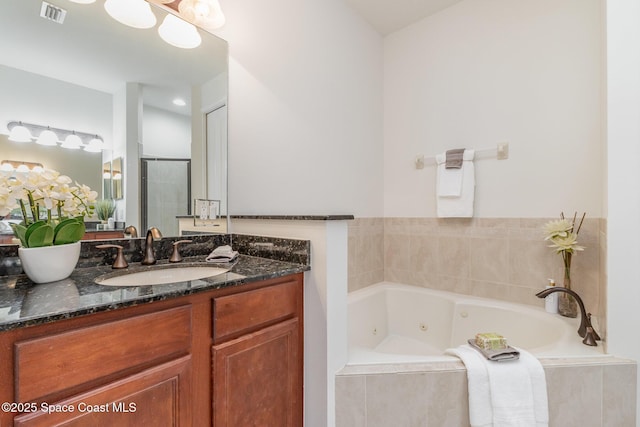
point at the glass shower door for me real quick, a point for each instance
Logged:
(166, 193)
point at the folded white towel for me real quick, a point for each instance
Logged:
(504, 394)
(222, 254)
(448, 181)
(455, 188)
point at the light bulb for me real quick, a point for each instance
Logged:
(134, 13)
(179, 33)
(203, 13)
(19, 133)
(94, 146)
(47, 137)
(72, 142)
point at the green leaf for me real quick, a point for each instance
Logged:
(69, 231)
(31, 228)
(39, 234)
(19, 231)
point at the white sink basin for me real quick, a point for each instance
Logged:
(161, 276)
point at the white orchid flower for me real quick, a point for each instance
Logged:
(558, 228)
(567, 243)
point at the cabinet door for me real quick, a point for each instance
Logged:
(257, 378)
(159, 396)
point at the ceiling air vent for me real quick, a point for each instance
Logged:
(52, 13)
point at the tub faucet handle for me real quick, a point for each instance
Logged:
(590, 337)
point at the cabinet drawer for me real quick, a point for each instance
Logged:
(234, 315)
(48, 365)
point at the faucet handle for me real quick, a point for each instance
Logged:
(120, 261)
(175, 255)
(131, 231)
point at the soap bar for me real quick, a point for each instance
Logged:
(491, 341)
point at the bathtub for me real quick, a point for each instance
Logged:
(395, 323)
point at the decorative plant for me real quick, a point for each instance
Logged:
(105, 208)
(563, 236)
(53, 210)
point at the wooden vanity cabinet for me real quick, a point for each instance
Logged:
(228, 357)
(257, 358)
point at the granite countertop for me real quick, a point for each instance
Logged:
(23, 303)
(332, 217)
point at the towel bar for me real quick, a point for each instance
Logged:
(501, 151)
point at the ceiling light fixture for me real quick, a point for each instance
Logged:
(179, 102)
(134, 13)
(179, 33)
(203, 13)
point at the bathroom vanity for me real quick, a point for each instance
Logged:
(222, 351)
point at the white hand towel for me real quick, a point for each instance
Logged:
(455, 188)
(504, 394)
(222, 254)
(448, 181)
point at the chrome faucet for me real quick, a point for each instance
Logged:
(149, 254)
(586, 329)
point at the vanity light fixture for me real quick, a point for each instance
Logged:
(204, 13)
(22, 132)
(11, 165)
(133, 13)
(19, 132)
(179, 33)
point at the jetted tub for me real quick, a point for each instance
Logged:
(395, 323)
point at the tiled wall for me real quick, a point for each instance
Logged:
(502, 258)
(366, 252)
(583, 394)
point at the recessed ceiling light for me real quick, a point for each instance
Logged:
(179, 102)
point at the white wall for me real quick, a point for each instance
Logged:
(165, 134)
(325, 306)
(486, 71)
(623, 111)
(305, 108)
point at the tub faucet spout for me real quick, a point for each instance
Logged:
(149, 254)
(586, 329)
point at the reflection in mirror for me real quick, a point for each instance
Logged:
(117, 178)
(92, 74)
(106, 180)
(169, 177)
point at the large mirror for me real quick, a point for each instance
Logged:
(94, 75)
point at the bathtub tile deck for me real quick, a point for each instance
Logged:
(583, 392)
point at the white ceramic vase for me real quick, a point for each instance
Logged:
(49, 263)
